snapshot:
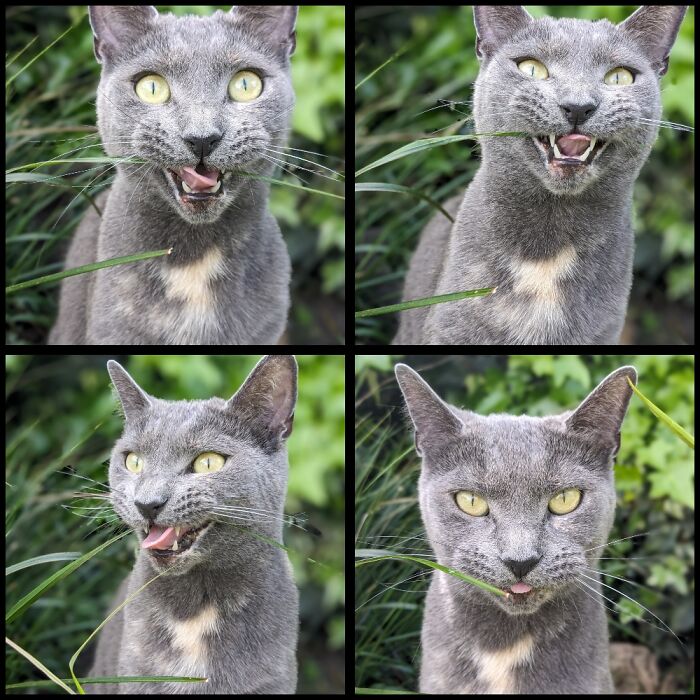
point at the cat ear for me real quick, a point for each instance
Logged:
(434, 422)
(114, 26)
(600, 415)
(131, 396)
(654, 28)
(275, 23)
(267, 398)
(496, 24)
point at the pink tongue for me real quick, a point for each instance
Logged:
(572, 144)
(159, 538)
(520, 587)
(198, 181)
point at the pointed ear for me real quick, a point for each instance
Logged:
(276, 23)
(600, 415)
(434, 422)
(267, 399)
(132, 397)
(117, 26)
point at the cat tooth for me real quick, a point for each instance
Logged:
(177, 532)
(174, 547)
(186, 187)
(216, 187)
(552, 140)
(145, 530)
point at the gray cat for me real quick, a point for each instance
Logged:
(187, 476)
(546, 218)
(525, 504)
(201, 100)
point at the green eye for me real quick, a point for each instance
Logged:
(534, 69)
(153, 90)
(565, 501)
(471, 504)
(134, 463)
(208, 462)
(619, 76)
(245, 86)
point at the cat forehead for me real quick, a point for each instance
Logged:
(215, 37)
(571, 38)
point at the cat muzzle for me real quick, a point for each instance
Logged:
(168, 541)
(198, 183)
(574, 150)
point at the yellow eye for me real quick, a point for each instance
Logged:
(208, 462)
(534, 69)
(619, 76)
(471, 504)
(153, 90)
(134, 463)
(565, 501)
(245, 86)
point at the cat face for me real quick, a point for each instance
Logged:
(184, 474)
(200, 99)
(585, 93)
(521, 503)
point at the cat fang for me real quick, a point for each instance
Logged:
(579, 150)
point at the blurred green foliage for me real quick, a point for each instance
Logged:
(61, 412)
(399, 104)
(654, 477)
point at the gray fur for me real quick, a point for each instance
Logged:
(559, 248)
(554, 641)
(238, 587)
(227, 279)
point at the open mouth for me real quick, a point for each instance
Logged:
(198, 183)
(171, 541)
(570, 150)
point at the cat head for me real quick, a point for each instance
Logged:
(522, 503)
(200, 99)
(585, 93)
(189, 475)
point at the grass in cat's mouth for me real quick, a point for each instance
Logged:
(171, 541)
(573, 150)
(198, 183)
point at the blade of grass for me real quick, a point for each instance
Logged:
(434, 565)
(428, 301)
(33, 660)
(425, 144)
(400, 189)
(683, 434)
(86, 268)
(391, 58)
(20, 606)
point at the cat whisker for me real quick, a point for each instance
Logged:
(591, 578)
(337, 174)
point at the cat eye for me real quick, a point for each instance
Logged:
(153, 90)
(534, 69)
(245, 86)
(208, 462)
(619, 76)
(471, 504)
(134, 463)
(565, 501)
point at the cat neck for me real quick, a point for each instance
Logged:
(155, 225)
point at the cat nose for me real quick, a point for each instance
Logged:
(202, 146)
(521, 567)
(149, 509)
(578, 112)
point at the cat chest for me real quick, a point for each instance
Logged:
(497, 670)
(178, 647)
